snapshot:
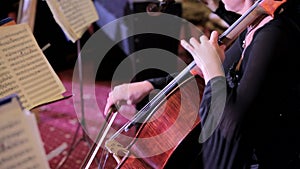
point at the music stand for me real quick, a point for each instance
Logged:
(81, 124)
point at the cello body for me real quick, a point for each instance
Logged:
(168, 132)
(176, 122)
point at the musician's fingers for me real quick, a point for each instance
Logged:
(196, 71)
(127, 111)
(120, 95)
(129, 102)
(214, 37)
(120, 92)
(203, 39)
(187, 46)
(194, 42)
(111, 100)
(223, 47)
(107, 107)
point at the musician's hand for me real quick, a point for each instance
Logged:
(207, 54)
(128, 94)
(211, 4)
(196, 71)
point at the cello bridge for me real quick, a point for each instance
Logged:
(116, 148)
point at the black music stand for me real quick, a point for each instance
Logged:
(82, 123)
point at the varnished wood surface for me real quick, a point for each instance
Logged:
(168, 127)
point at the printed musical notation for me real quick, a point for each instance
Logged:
(24, 69)
(74, 17)
(20, 143)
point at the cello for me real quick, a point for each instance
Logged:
(169, 110)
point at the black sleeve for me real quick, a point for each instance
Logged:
(161, 82)
(227, 16)
(261, 66)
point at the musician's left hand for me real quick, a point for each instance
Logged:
(207, 54)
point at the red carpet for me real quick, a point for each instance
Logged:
(58, 123)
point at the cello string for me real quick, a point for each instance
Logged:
(156, 99)
(228, 35)
(154, 110)
(100, 165)
(159, 97)
(100, 138)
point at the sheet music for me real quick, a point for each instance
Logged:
(20, 143)
(24, 69)
(73, 16)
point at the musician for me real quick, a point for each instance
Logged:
(259, 125)
(141, 89)
(217, 7)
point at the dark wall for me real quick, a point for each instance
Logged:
(62, 53)
(157, 41)
(140, 42)
(7, 6)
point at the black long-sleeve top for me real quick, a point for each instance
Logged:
(227, 16)
(262, 112)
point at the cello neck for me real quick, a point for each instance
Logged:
(257, 10)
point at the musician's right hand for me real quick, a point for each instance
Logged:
(128, 94)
